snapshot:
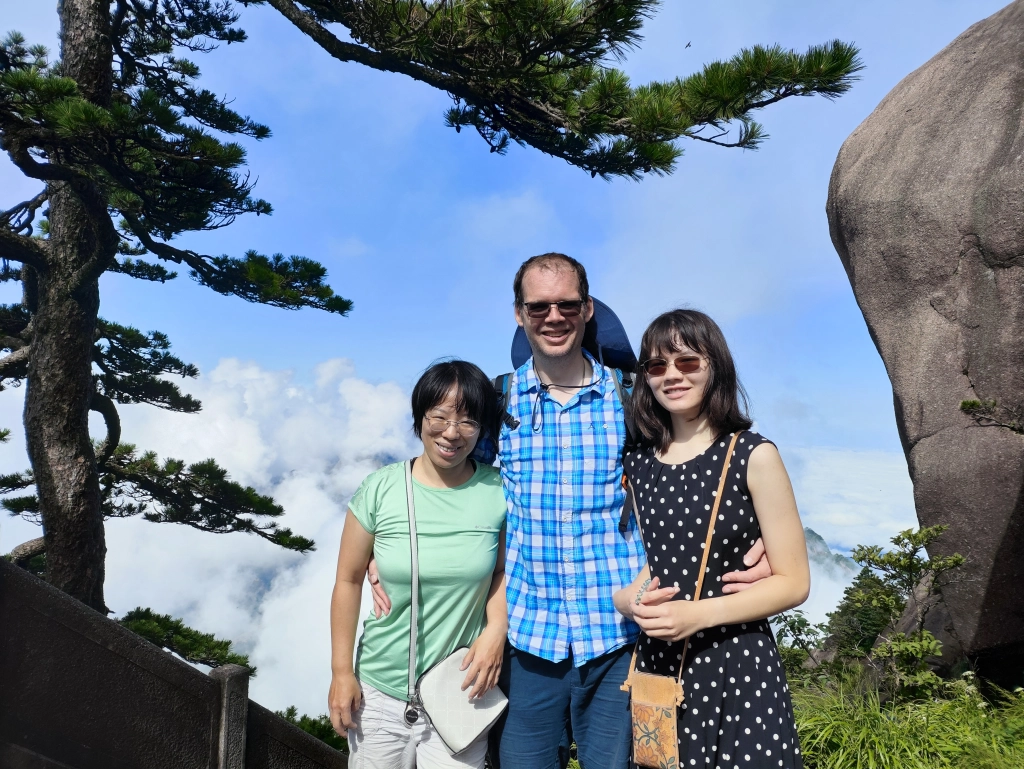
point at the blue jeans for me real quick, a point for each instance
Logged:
(550, 704)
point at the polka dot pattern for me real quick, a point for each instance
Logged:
(738, 712)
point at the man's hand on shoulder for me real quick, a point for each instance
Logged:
(758, 568)
(381, 602)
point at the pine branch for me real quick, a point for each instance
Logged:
(191, 645)
(15, 365)
(289, 283)
(136, 268)
(106, 408)
(26, 507)
(20, 218)
(132, 367)
(199, 495)
(19, 248)
(26, 551)
(11, 482)
(991, 413)
(537, 73)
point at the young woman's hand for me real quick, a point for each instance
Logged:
(660, 617)
(343, 702)
(483, 661)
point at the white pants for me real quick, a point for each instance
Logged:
(382, 739)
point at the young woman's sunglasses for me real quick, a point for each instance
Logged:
(565, 309)
(659, 366)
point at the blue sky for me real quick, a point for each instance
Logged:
(423, 229)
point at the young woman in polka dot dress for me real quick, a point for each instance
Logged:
(687, 407)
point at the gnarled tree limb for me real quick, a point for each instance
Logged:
(26, 551)
(19, 248)
(21, 217)
(14, 365)
(104, 406)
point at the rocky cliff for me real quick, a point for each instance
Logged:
(926, 210)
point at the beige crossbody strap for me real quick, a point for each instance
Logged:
(631, 498)
(711, 533)
(707, 542)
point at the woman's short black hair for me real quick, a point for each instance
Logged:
(725, 400)
(474, 393)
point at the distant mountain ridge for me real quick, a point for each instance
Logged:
(832, 565)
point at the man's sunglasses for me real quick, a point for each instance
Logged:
(659, 366)
(565, 309)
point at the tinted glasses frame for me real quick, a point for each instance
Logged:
(567, 308)
(684, 364)
(467, 428)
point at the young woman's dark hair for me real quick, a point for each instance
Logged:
(474, 393)
(725, 400)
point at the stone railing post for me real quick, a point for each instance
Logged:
(234, 709)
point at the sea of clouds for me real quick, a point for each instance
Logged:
(309, 442)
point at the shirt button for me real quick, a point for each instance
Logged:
(565, 445)
(566, 517)
(565, 480)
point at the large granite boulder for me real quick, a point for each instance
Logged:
(926, 210)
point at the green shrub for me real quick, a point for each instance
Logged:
(843, 728)
(320, 727)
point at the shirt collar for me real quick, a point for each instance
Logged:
(528, 381)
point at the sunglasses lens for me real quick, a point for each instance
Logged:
(537, 309)
(565, 309)
(659, 367)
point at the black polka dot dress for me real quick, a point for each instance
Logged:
(737, 713)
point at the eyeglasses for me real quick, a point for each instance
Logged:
(467, 427)
(659, 366)
(567, 309)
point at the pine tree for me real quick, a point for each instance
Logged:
(131, 153)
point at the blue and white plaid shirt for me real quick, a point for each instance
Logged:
(562, 472)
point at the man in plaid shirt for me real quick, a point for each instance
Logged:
(561, 465)
(565, 555)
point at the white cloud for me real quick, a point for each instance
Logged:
(310, 445)
(852, 497)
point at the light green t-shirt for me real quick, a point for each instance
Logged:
(457, 542)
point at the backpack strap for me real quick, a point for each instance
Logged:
(501, 384)
(624, 389)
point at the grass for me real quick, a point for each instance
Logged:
(843, 728)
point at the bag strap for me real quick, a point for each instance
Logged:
(414, 556)
(624, 389)
(500, 384)
(707, 546)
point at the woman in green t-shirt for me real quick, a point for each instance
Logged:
(460, 515)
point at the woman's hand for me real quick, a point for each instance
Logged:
(343, 701)
(483, 661)
(660, 617)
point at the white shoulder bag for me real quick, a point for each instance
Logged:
(438, 693)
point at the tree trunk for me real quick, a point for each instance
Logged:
(59, 389)
(66, 294)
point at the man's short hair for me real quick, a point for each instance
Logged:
(551, 261)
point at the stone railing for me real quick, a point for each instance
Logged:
(78, 691)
